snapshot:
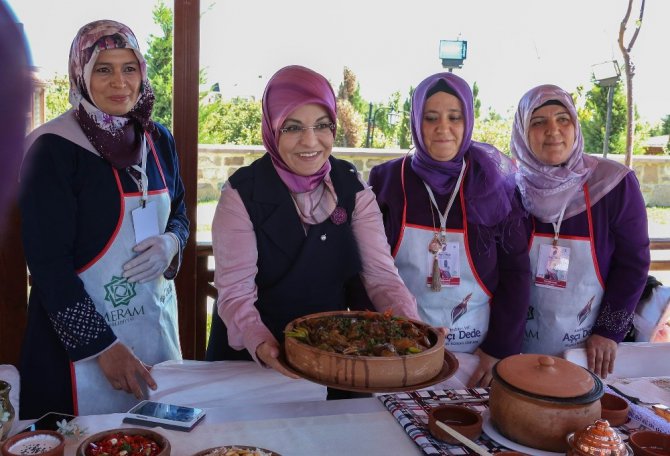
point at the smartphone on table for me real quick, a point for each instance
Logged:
(48, 422)
(177, 417)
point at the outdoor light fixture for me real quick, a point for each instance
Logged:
(452, 53)
(607, 74)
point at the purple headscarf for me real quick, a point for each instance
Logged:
(545, 189)
(116, 138)
(489, 187)
(288, 89)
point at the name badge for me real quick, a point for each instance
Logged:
(145, 221)
(450, 267)
(552, 266)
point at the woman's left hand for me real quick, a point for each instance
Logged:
(483, 375)
(155, 256)
(600, 353)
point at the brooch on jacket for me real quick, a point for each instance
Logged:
(339, 216)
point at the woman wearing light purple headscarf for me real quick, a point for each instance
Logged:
(453, 220)
(103, 227)
(295, 229)
(588, 234)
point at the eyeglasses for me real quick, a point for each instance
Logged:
(296, 131)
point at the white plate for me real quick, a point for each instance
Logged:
(490, 430)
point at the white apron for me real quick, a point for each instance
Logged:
(464, 309)
(142, 315)
(559, 319)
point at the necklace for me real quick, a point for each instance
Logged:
(439, 239)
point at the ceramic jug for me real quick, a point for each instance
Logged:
(6, 410)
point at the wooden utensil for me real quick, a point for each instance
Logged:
(463, 439)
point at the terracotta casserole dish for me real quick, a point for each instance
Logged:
(537, 400)
(355, 372)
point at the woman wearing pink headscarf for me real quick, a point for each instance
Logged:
(295, 228)
(588, 224)
(103, 225)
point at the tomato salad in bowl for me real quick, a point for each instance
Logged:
(125, 442)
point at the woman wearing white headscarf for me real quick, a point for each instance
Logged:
(588, 233)
(104, 224)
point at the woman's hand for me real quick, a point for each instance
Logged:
(600, 353)
(123, 369)
(267, 353)
(483, 375)
(155, 257)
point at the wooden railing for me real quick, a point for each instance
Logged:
(205, 287)
(656, 245)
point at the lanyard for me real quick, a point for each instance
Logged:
(443, 217)
(557, 223)
(143, 183)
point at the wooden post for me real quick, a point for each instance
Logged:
(185, 130)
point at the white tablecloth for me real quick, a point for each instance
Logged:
(351, 426)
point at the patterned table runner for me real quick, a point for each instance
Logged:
(411, 410)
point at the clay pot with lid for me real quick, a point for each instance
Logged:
(537, 400)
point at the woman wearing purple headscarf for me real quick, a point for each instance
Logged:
(588, 222)
(295, 228)
(103, 224)
(453, 222)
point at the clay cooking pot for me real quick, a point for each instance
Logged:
(537, 400)
(364, 371)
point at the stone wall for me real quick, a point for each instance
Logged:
(217, 162)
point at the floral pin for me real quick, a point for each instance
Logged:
(339, 216)
(70, 429)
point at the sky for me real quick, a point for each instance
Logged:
(390, 45)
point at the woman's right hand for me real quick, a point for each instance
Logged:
(268, 354)
(123, 369)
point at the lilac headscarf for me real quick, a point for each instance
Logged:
(546, 188)
(489, 187)
(288, 89)
(116, 138)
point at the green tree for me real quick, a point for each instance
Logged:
(236, 121)
(593, 117)
(495, 130)
(477, 102)
(57, 95)
(159, 64)
(404, 132)
(349, 108)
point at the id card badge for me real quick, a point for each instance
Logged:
(145, 221)
(552, 266)
(448, 260)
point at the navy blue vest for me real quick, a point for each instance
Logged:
(298, 274)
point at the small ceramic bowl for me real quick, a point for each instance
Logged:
(613, 409)
(597, 439)
(462, 419)
(650, 443)
(43, 443)
(162, 442)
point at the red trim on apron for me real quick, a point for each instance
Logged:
(75, 402)
(593, 244)
(116, 230)
(404, 208)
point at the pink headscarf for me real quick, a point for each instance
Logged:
(546, 188)
(289, 88)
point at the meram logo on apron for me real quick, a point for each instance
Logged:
(120, 292)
